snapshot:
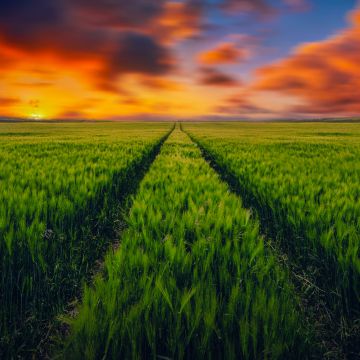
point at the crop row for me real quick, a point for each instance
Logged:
(306, 184)
(56, 194)
(191, 278)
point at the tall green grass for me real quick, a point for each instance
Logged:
(304, 181)
(191, 278)
(59, 184)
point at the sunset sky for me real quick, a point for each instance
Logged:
(185, 59)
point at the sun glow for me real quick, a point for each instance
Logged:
(36, 116)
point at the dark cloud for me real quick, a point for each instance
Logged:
(117, 13)
(23, 21)
(46, 26)
(214, 77)
(138, 53)
(32, 13)
(133, 53)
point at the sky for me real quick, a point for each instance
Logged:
(179, 59)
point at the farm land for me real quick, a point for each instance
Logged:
(187, 240)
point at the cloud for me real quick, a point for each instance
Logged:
(7, 101)
(72, 114)
(126, 14)
(160, 83)
(324, 75)
(180, 20)
(68, 23)
(64, 30)
(114, 49)
(241, 104)
(213, 77)
(116, 37)
(224, 53)
(138, 53)
(33, 84)
(22, 22)
(134, 53)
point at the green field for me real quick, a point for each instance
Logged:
(210, 240)
(60, 186)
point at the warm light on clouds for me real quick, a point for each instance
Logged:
(211, 76)
(179, 20)
(225, 53)
(324, 74)
(178, 58)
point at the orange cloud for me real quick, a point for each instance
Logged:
(213, 77)
(158, 83)
(224, 53)
(179, 20)
(8, 101)
(246, 104)
(325, 75)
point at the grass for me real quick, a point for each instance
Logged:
(304, 184)
(191, 278)
(60, 185)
